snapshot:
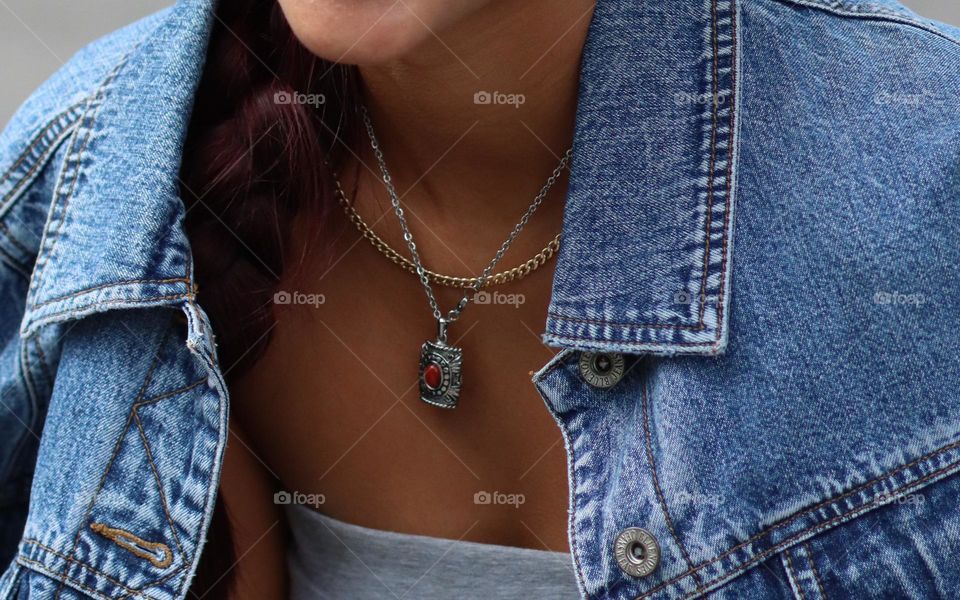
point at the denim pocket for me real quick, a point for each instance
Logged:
(909, 547)
(128, 462)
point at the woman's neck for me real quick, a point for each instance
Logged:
(485, 105)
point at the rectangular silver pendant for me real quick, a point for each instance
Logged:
(440, 381)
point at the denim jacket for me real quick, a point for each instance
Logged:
(775, 418)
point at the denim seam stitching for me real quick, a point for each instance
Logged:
(39, 567)
(813, 569)
(847, 494)
(116, 451)
(44, 547)
(651, 464)
(709, 220)
(572, 476)
(854, 512)
(62, 124)
(105, 286)
(13, 240)
(813, 528)
(710, 343)
(89, 115)
(792, 574)
(76, 311)
(45, 570)
(711, 168)
(14, 264)
(154, 399)
(222, 434)
(140, 591)
(556, 315)
(731, 153)
(58, 203)
(572, 473)
(35, 142)
(130, 591)
(156, 476)
(171, 393)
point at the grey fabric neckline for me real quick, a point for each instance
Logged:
(328, 558)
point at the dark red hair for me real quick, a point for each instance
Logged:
(256, 158)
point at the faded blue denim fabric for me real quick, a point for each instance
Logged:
(763, 219)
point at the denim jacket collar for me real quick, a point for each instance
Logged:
(645, 261)
(123, 161)
(644, 264)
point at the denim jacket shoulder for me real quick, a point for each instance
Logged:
(71, 138)
(822, 135)
(37, 131)
(101, 401)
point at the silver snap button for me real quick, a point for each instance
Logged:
(601, 369)
(637, 552)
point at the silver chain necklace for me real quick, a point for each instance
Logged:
(440, 363)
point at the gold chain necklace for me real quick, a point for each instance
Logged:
(516, 273)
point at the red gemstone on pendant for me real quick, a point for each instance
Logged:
(432, 375)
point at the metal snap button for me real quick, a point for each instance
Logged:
(601, 369)
(637, 552)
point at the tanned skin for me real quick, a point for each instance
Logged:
(332, 407)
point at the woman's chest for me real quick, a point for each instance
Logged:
(333, 408)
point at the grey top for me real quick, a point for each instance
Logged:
(332, 559)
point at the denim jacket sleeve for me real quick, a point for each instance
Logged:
(113, 420)
(33, 150)
(32, 153)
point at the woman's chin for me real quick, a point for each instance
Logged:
(366, 33)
